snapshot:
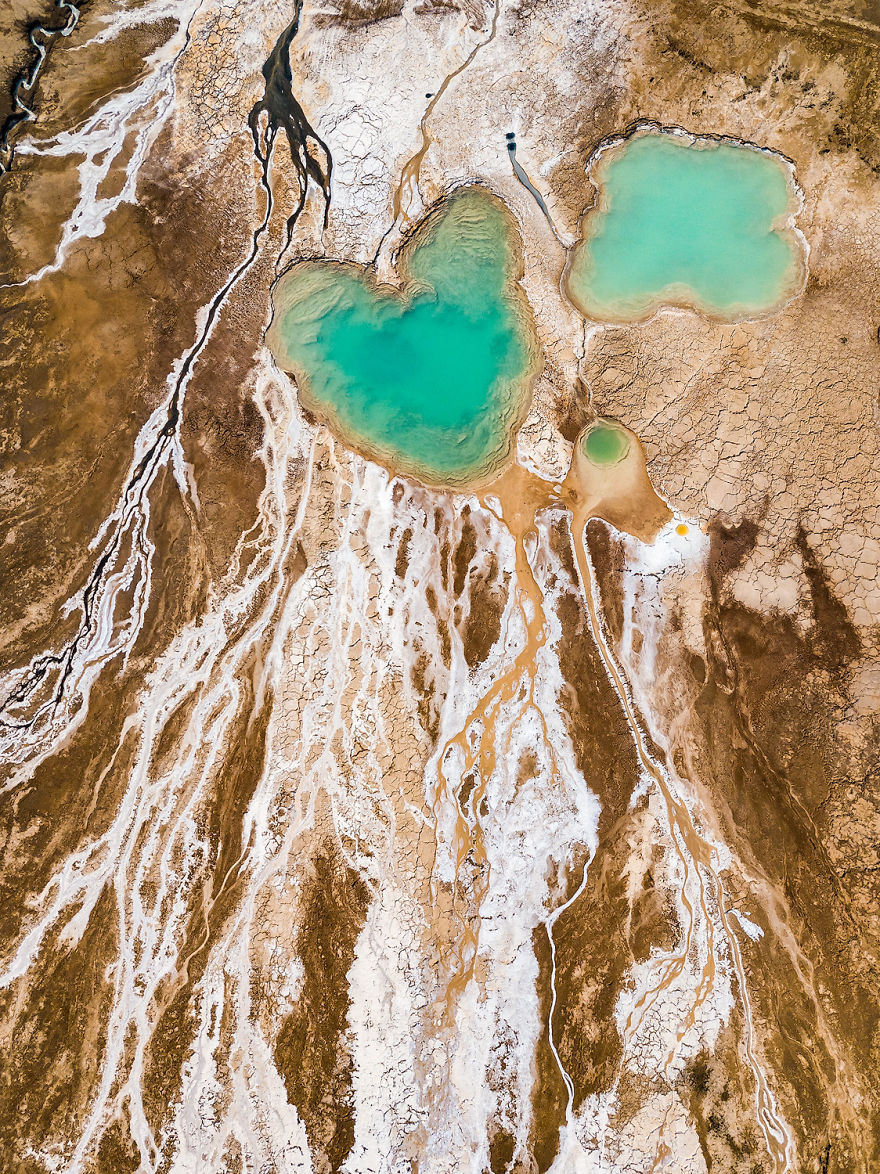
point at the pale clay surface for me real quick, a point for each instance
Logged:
(752, 420)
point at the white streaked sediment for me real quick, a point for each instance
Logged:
(141, 112)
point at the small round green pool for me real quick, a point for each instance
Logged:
(606, 444)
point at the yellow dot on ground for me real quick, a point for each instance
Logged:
(681, 528)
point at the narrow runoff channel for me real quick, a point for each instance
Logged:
(613, 486)
(697, 856)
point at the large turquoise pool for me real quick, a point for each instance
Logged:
(432, 378)
(686, 222)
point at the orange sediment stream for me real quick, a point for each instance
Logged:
(520, 495)
(409, 175)
(623, 495)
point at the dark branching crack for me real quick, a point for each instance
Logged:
(283, 112)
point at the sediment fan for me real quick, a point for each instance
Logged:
(438, 642)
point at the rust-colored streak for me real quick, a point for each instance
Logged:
(592, 948)
(482, 627)
(175, 1015)
(549, 1096)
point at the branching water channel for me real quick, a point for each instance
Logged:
(24, 88)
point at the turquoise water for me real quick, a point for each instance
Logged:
(435, 378)
(605, 444)
(682, 224)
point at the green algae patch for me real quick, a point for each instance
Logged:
(433, 378)
(606, 444)
(687, 222)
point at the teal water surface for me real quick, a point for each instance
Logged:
(606, 444)
(684, 223)
(433, 378)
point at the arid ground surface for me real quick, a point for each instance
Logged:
(353, 824)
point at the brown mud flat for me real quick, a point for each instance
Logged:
(311, 1050)
(775, 761)
(774, 722)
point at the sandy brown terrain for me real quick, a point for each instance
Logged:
(352, 825)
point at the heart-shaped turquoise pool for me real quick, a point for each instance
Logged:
(432, 378)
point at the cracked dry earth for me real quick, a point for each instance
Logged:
(351, 824)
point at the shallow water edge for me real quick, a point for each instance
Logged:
(679, 295)
(312, 290)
